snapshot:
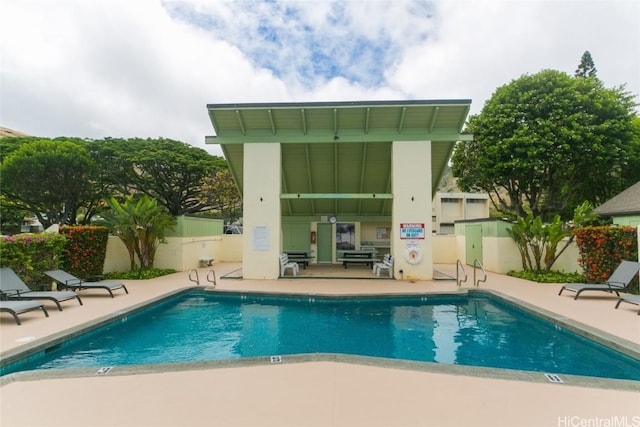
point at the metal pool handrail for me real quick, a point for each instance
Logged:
(211, 273)
(196, 280)
(459, 267)
(478, 264)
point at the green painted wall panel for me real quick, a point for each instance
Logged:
(632, 220)
(188, 226)
(296, 236)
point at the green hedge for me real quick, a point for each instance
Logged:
(85, 251)
(29, 255)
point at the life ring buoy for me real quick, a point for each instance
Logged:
(413, 255)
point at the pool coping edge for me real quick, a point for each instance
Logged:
(616, 343)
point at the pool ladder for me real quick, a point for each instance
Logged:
(211, 277)
(476, 265)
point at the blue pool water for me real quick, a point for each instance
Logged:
(473, 330)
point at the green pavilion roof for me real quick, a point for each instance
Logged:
(336, 156)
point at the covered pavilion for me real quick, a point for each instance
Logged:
(333, 176)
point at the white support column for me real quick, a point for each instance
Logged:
(412, 204)
(261, 211)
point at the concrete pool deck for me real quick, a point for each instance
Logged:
(329, 391)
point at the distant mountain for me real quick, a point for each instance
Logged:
(10, 132)
(448, 183)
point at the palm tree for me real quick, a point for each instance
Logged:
(140, 225)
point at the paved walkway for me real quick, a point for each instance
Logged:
(325, 392)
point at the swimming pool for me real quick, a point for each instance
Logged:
(473, 330)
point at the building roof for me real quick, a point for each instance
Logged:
(625, 203)
(336, 156)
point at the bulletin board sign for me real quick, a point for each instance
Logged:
(261, 238)
(412, 230)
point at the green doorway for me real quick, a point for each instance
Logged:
(473, 234)
(325, 239)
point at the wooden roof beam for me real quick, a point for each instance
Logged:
(463, 118)
(362, 171)
(309, 180)
(304, 121)
(366, 120)
(273, 123)
(434, 116)
(402, 114)
(241, 122)
(285, 191)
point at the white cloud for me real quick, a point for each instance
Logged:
(121, 69)
(483, 45)
(147, 68)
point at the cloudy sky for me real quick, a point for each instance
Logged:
(148, 68)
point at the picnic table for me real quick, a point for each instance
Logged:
(300, 256)
(358, 257)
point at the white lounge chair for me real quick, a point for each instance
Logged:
(285, 265)
(386, 264)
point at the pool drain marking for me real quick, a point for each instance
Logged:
(276, 359)
(553, 378)
(104, 370)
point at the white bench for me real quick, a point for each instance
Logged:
(386, 264)
(206, 262)
(286, 264)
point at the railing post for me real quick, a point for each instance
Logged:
(209, 274)
(196, 280)
(459, 266)
(477, 263)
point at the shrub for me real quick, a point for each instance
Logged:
(602, 249)
(85, 250)
(548, 276)
(29, 255)
(150, 273)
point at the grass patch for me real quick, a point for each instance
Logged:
(150, 273)
(548, 276)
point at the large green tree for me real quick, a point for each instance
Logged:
(545, 143)
(631, 173)
(166, 170)
(221, 193)
(9, 144)
(11, 215)
(48, 178)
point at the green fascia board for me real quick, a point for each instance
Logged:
(291, 219)
(336, 196)
(341, 104)
(323, 136)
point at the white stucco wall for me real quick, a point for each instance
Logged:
(500, 254)
(261, 211)
(445, 249)
(412, 203)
